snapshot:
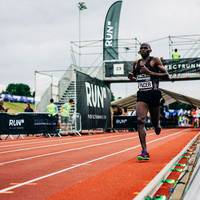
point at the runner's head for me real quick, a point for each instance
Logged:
(145, 50)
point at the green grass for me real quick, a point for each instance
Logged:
(16, 107)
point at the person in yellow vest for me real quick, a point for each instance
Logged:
(176, 55)
(52, 109)
(66, 114)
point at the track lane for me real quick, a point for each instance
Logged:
(30, 156)
(41, 139)
(31, 151)
(52, 143)
(126, 180)
(118, 158)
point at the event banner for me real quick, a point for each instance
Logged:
(15, 98)
(111, 29)
(124, 122)
(27, 123)
(184, 65)
(93, 102)
(128, 122)
(185, 68)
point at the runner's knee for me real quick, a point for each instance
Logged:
(140, 121)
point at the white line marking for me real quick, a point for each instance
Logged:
(8, 192)
(27, 143)
(46, 140)
(67, 150)
(82, 164)
(53, 145)
(27, 184)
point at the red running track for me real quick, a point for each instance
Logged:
(100, 167)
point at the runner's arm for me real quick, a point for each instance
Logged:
(163, 72)
(132, 75)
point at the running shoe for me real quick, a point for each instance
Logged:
(157, 130)
(143, 156)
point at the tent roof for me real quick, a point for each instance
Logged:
(170, 97)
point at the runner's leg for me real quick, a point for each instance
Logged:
(155, 118)
(141, 112)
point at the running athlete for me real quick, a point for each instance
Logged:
(147, 71)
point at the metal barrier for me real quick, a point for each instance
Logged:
(192, 188)
(74, 125)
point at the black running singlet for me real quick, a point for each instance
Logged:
(147, 82)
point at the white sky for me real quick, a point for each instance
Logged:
(36, 34)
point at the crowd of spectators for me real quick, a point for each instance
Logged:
(181, 118)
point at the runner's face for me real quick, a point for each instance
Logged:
(144, 51)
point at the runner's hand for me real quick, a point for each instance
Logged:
(131, 76)
(145, 70)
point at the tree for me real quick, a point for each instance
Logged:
(18, 89)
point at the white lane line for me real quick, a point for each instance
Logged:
(9, 192)
(47, 140)
(59, 144)
(27, 184)
(24, 143)
(67, 150)
(82, 164)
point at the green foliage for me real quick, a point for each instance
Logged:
(16, 107)
(18, 89)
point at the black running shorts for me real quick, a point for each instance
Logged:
(150, 97)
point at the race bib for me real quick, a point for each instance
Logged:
(145, 85)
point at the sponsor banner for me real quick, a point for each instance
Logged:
(118, 68)
(186, 67)
(128, 122)
(30, 123)
(93, 102)
(15, 98)
(122, 122)
(111, 29)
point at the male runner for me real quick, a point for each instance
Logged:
(147, 71)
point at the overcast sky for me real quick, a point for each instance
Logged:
(36, 34)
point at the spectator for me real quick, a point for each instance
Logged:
(66, 114)
(52, 109)
(125, 111)
(176, 55)
(2, 109)
(28, 108)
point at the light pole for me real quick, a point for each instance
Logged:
(81, 6)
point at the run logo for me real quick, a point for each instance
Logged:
(109, 35)
(16, 122)
(95, 95)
